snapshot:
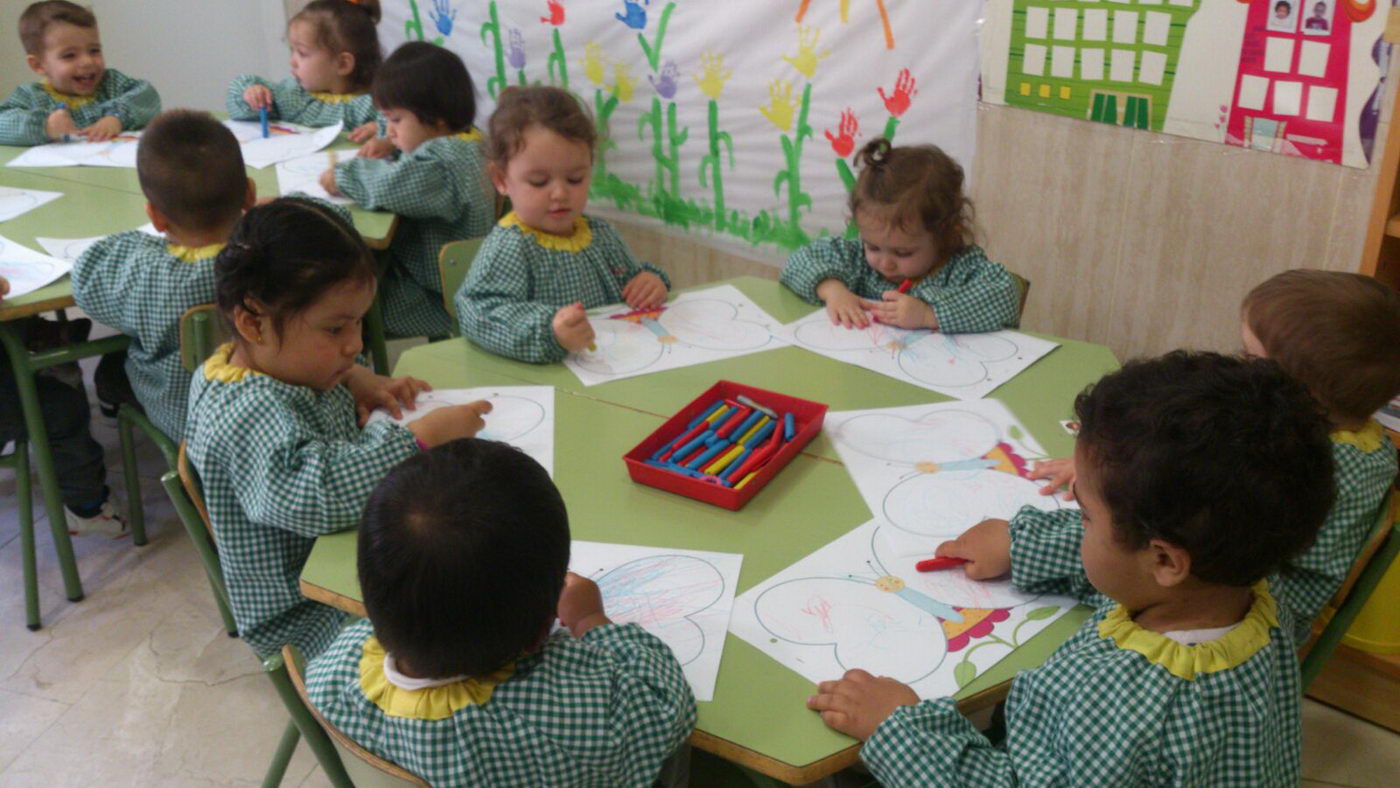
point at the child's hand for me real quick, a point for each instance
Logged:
(363, 132)
(572, 329)
(377, 391)
(450, 423)
(380, 148)
(986, 546)
(859, 702)
(581, 605)
(901, 310)
(644, 291)
(4, 288)
(104, 129)
(258, 96)
(59, 123)
(842, 306)
(327, 181)
(1060, 473)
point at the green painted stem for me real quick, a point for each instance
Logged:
(654, 54)
(890, 126)
(496, 82)
(713, 163)
(558, 65)
(415, 24)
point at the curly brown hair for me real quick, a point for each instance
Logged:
(519, 108)
(347, 26)
(36, 19)
(914, 187)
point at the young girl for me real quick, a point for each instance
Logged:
(335, 52)
(546, 262)
(437, 185)
(915, 226)
(272, 426)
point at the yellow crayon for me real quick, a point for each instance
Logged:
(758, 425)
(713, 417)
(741, 484)
(724, 460)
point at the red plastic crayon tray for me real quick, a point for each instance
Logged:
(807, 419)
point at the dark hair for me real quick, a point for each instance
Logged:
(1228, 458)
(191, 169)
(429, 81)
(347, 26)
(285, 255)
(519, 108)
(1337, 333)
(462, 556)
(914, 187)
(35, 21)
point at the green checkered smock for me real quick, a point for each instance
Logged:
(23, 115)
(969, 293)
(442, 194)
(292, 103)
(140, 285)
(1116, 704)
(521, 277)
(281, 465)
(605, 709)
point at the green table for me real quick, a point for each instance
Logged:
(757, 717)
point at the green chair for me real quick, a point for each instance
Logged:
(454, 261)
(18, 461)
(190, 511)
(1023, 287)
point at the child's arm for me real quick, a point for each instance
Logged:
(289, 102)
(841, 259)
(971, 294)
(494, 309)
(419, 185)
(626, 268)
(131, 283)
(24, 117)
(1045, 553)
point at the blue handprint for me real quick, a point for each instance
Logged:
(516, 55)
(636, 15)
(669, 74)
(443, 15)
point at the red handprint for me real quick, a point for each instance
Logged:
(556, 13)
(903, 91)
(846, 142)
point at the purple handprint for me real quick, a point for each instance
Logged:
(636, 15)
(669, 76)
(516, 55)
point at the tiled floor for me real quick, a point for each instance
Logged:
(139, 685)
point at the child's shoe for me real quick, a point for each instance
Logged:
(106, 520)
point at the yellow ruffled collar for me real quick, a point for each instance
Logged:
(333, 98)
(472, 134)
(1368, 438)
(432, 703)
(1185, 662)
(67, 99)
(218, 366)
(577, 241)
(193, 254)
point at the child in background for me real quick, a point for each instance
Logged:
(546, 262)
(335, 53)
(191, 171)
(78, 94)
(273, 428)
(1186, 673)
(437, 185)
(451, 684)
(915, 226)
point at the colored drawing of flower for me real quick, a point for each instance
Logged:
(516, 54)
(712, 74)
(807, 57)
(556, 13)
(781, 104)
(595, 65)
(622, 82)
(975, 624)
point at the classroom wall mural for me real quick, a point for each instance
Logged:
(1296, 77)
(738, 121)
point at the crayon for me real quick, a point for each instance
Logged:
(755, 428)
(789, 429)
(761, 434)
(753, 419)
(732, 471)
(262, 116)
(934, 564)
(904, 286)
(714, 406)
(740, 416)
(724, 460)
(772, 414)
(745, 481)
(683, 440)
(708, 454)
(694, 444)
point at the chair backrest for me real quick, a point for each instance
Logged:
(363, 767)
(1023, 286)
(454, 261)
(201, 333)
(189, 478)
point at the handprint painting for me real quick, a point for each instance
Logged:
(736, 122)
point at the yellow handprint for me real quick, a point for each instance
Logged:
(712, 74)
(595, 67)
(779, 113)
(622, 82)
(807, 57)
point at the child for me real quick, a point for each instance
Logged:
(272, 426)
(915, 226)
(1318, 21)
(1339, 335)
(191, 171)
(438, 184)
(78, 94)
(335, 52)
(451, 684)
(546, 262)
(1185, 674)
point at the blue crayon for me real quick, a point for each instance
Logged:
(758, 437)
(719, 403)
(262, 116)
(656, 455)
(788, 428)
(709, 454)
(683, 451)
(749, 422)
(728, 473)
(681, 469)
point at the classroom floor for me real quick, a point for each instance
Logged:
(139, 685)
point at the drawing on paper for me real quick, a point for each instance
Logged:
(15, 202)
(522, 416)
(27, 270)
(303, 174)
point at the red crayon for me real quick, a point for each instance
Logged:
(934, 564)
(684, 439)
(904, 286)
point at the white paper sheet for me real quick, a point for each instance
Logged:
(288, 141)
(120, 151)
(696, 327)
(303, 174)
(964, 366)
(17, 202)
(71, 249)
(522, 416)
(683, 597)
(27, 270)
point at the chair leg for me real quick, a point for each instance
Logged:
(229, 625)
(26, 536)
(285, 748)
(375, 338)
(134, 510)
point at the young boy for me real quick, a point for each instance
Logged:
(191, 171)
(78, 94)
(463, 558)
(1185, 674)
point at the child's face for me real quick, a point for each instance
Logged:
(894, 253)
(547, 180)
(72, 59)
(1281, 11)
(1114, 569)
(318, 346)
(1320, 9)
(315, 67)
(406, 131)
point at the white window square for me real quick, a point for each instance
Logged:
(1125, 27)
(1095, 24)
(1153, 68)
(1033, 62)
(1322, 103)
(1288, 98)
(1278, 54)
(1253, 91)
(1062, 62)
(1187, 3)
(1120, 1)
(1149, 2)
(1121, 69)
(1156, 26)
(1065, 21)
(1037, 21)
(1091, 64)
(1312, 59)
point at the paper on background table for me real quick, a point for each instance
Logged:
(17, 202)
(858, 602)
(26, 269)
(120, 151)
(303, 174)
(964, 366)
(71, 249)
(295, 142)
(683, 597)
(696, 327)
(522, 416)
